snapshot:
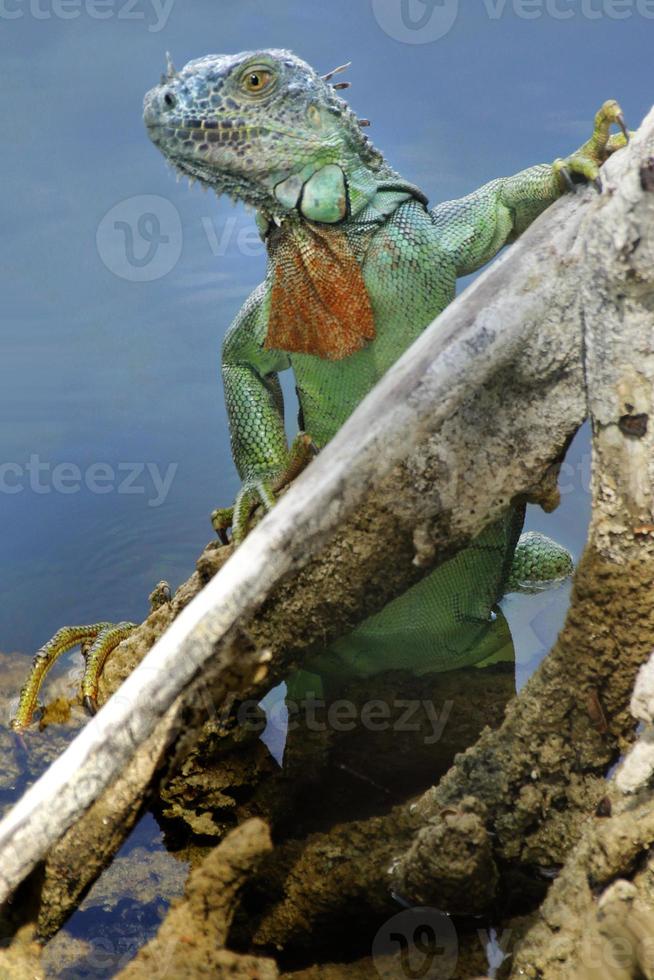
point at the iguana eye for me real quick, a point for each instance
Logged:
(256, 80)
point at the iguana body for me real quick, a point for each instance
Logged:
(358, 266)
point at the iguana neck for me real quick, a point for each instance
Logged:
(319, 302)
(333, 198)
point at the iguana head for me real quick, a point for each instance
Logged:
(262, 126)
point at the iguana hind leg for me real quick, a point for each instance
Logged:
(96, 640)
(64, 640)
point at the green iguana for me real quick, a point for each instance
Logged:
(358, 266)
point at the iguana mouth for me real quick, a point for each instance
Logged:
(189, 142)
(215, 131)
(201, 134)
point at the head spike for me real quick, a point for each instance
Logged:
(363, 122)
(335, 71)
(170, 68)
(340, 85)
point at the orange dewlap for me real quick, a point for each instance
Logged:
(319, 302)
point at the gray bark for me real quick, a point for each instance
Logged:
(580, 931)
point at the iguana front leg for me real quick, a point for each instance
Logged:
(255, 408)
(474, 228)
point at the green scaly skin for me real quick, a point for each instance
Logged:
(211, 128)
(264, 128)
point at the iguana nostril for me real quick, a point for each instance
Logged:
(170, 100)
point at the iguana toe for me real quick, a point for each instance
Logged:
(96, 641)
(585, 163)
(95, 657)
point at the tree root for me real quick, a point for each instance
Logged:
(22, 959)
(191, 941)
(514, 802)
(597, 922)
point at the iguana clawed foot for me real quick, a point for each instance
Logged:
(261, 491)
(96, 641)
(588, 159)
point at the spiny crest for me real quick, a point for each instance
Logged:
(371, 154)
(336, 71)
(338, 86)
(170, 72)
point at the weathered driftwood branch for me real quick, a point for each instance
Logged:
(615, 586)
(582, 931)
(495, 379)
(592, 926)
(522, 794)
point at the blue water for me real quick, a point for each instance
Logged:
(98, 369)
(109, 363)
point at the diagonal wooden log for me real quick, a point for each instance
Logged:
(522, 796)
(579, 932)
(581, 691)
(467, 420)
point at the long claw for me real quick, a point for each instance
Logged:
(20, 740)
(106, 641)
(569, 182)
(597, 184)
(623, 126)
(90, 706)
(221, 520)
